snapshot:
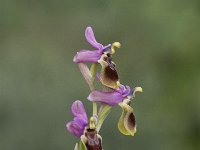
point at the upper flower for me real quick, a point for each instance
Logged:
(91, 55)
(102, 55)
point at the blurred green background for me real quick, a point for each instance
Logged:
(38, 80)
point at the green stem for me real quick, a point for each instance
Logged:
(93, 69)
(94, 104)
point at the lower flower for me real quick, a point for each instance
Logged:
(80, 121)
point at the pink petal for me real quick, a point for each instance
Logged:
(110, 98)
(74, 128)
(78, 109)
(87, 56)
(89, 34)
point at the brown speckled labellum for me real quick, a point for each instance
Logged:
(92, 140)
(108, 76)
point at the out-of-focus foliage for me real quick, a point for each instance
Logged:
(38, 81)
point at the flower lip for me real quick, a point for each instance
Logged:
(108, 75)
(127, 123)
(91, 139)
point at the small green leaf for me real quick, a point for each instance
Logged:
(103, 113)
(93, 69)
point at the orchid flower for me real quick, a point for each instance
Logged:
(102, 55)
(80, 121)
(91, 55)
(121, 96)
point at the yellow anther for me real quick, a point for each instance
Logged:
(92, 123)
(114, 46)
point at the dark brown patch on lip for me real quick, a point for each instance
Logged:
(131, 121)
(111, 73)
(93, 141)
(109, 76)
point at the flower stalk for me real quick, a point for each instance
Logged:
(93, 69)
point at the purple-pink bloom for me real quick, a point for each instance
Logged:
(80, 121)
(111, 98)
(91, 55)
